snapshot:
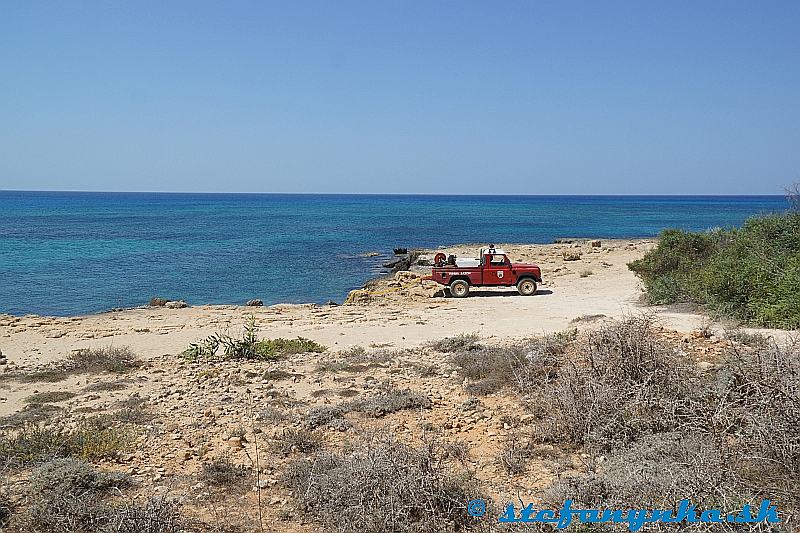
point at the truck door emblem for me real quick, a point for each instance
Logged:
(499, 274)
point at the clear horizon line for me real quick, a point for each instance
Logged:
(84, 191)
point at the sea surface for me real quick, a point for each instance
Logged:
(67, 253)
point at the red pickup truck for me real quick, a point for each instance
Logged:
(493, 269)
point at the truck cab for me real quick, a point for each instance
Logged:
(493, 268)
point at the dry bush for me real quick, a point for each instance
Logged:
(91, 438)
(513, 457)
(390, 401)
(524, 365)
(30, 414)
(297, 440)
(73, 475)
(111, 359)
(158, 515)
(49, 397)
(67, 495)
(70, 496)
(223, 473)
(722, 438)
(624, 383)
(753, 340)
(132, 411)
(323, 415)
(759, 410)
(458, 343)
(657, 472)
(380, 485)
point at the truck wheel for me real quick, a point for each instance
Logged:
(459, 289)
(526, 286)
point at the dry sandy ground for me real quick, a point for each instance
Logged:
(198, 407)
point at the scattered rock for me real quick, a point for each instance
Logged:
(571, 255)
(255, 302)
(406, 275)
(176, 304)
(158, 302)
(596, 244)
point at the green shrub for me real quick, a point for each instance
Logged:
(248, 346)
(751, 273)
(92, 438)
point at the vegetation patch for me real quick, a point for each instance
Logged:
(49, 397)
(67, 495)
(117, 359)
(460, 342)
(30, 414)
(248, 346)
(390, 401)
(352, 491)
(223, 473)
(297, 440)
(656, 429)
(323, 415)
(750, 273)
(525, 365)
(91, 438)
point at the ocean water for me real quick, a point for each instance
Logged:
(75, 253)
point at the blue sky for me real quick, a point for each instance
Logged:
(684, 97)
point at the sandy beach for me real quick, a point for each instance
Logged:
(599, 283)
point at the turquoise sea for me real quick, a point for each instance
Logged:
(67, 253)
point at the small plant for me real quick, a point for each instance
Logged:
(222, 472)
(248, 346)
(457, 449)
(111, 359)
(73, 475)
(753, 340)
(297, 440)
(388, 402)
(323, 415)
(513, 457)
(49, 397)
(460, 342)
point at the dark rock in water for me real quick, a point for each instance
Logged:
(400, 251)
(404, 263)
(255, 302)
(158, 302)
(331, 302)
